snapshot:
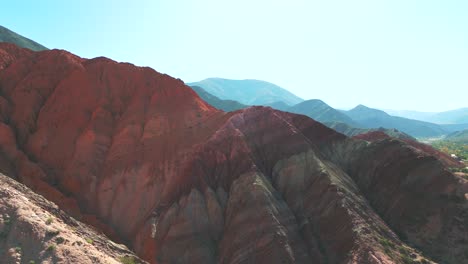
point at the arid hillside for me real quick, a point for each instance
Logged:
(34, 230)
(141, 157)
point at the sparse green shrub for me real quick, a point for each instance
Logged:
(407, 260)
(127, 260)
(7, 222)
(18, 249)
(52, 233)
(387, 245)
(404, 250)
(51, 248)
(89, 240)
(59, 240)
(32, 262)
(49, 221)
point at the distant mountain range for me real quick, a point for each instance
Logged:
(458, 136)
(361, 119)
(248, 92)
(320, 111)
(371, 118)
(139, 156)
(225, 105)
(9, 36)
(254, 186)
(457, 116)
(354, 131)
(230, 95)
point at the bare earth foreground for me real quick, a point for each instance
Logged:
(140, 156)
(34, 230)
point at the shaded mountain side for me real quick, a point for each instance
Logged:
(9, 36)
(455, 127)
(360, 117)
(353, 131)
(371, 118)
(34, 230)
(139, 154)
(446, 159)
(225, 105)
(279, 105)
(248, 92)
(459, 136)
(457, 116)
(321, 112)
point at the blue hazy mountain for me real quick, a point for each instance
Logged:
(9, 36)
(225, 105)
(371, 118)
(457, 116)
(248, 92)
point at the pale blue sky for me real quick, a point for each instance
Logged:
(397, 54)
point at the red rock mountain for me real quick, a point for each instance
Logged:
(443, 157)
(140, 156)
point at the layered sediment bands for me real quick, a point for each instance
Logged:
(413, 192)
(443, 157)
(34, 230)
(139, 155)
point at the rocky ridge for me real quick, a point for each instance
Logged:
(139, 155)
(34, 230)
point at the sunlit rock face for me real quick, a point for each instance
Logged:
(140, 156)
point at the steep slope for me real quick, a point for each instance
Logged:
(459, 136)
(372, 118)
(141, 156)
(346, 129)
(321, 112)
(352, 131)
(416, 115)
(34, 230)
(279, 105)
(248, 92)
(9, 36)
(457, 116)
(446, 159)
(225, 105)
(454, 127)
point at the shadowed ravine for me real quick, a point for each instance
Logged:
(140, 156)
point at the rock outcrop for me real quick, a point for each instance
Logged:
(139, 155)
(446, 159)
(34, 230)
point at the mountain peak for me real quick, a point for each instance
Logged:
(365, 109)
(362, 107)
(248, 91)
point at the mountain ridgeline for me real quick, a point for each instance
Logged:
(140, 156)
(360, 118)
(9, 36)
(371, 118)
(458, 136)
(457, 116)
(320, 111)
(225, 105)
(248, 92)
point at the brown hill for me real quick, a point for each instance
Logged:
(34, 230)
(443, 157)
(139, 155)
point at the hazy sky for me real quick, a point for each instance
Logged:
(397, 54)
